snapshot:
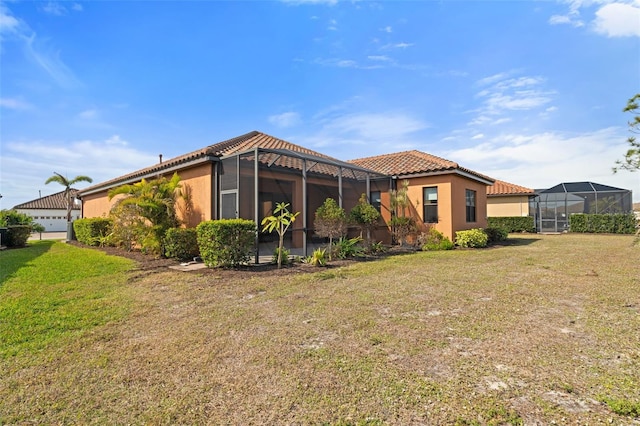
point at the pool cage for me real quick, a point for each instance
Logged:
(551, 208)
(253, 182)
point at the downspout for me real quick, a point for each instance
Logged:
(256, 210)
(340, 186)
(304, 207)
(214, 190)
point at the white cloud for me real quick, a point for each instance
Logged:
(8, 23)
(77, 7)
(566, 19)
(54, 8)
(333, 25)
(284, 120)
(396, 46)
(387, 29)
(13, 103)
(50, 62)
(618, 20)
(89, 114)
(502, 94)
(27, 164)
(374, 126)
(542, 160)
(478, 136)
(379, 58)
(301, 2)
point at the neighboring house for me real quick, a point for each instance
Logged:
(442, 194)
(51, 211)
(508, 199)
(246, 176)
(551, 208)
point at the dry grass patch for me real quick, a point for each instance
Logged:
(542, 330)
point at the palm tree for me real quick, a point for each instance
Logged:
(67, 183)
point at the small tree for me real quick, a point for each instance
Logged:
(68, 196)
(280, 221)
(153, 201)
(330, 221)
(401, 224)
(365, 216)
(631, 160)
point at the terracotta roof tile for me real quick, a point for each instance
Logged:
(413, 162)
(50, 202)
(501, 187)
(228, 147)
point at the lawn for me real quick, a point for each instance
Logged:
(543, 329)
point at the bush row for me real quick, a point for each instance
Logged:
(513, 223)
(603, 223)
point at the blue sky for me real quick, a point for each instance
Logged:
(524, 91)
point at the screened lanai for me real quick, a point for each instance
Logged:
(552, 207)
(252, 182)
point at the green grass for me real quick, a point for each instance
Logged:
(51, 292)
(541, 330)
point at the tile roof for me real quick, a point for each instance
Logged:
(407, 163)
(55, 201)
(239, 144)
(501, 187)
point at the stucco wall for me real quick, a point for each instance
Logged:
(513, 205)
(196, 182)
(451, 202)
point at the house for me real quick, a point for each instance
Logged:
(442, 193)
(248, 175)
(508, 199)
(51, 211)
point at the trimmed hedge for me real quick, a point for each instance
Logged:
(92, 231)
(226, 242)
(472, 238)
(603, 223)
(17, 235)
(181, 243)
(513, 223)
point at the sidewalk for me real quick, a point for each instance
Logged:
(48, 236)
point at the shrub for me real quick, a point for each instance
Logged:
(472, 238)
(284, 256)
(401, 227)
(513, 223)
(434, 240)
(365, 216)
(181, 243)
(318, 258)
(18, 235)
(348, 247)
(19, 227)
(377, 248)
(226, 242)
(603, 223)
(93, 231)
(496, 234)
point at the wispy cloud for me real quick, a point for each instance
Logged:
(396, 46)
(14, 103)
(50, 61)
(387, 29)
(304, 2)
(286, 119)
(333, 25)
(502, 93)
(54, 8)
(88, 114)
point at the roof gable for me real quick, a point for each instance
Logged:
(55, 201)
(410, 163)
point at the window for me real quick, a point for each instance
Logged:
(374, 200)
(471, 205)
(430, 204)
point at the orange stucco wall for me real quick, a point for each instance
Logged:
(196, 181)
(451, 202)
(513, 205)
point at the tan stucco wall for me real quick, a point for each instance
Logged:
(513, 205)
(451, 202)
